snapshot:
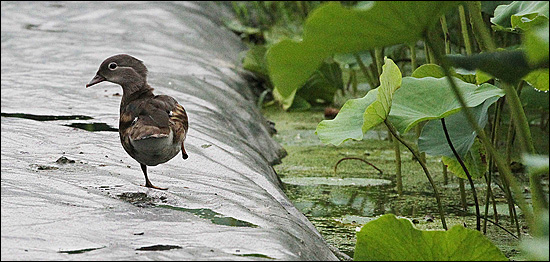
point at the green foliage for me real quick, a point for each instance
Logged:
(433, 141)
(378, 111)
(537, 248)
(509, 66)
(321, 86)
(538, 79)
(536, 45)
(433, 70)
(332, 29)
(348, 124)
(262, 23)
(298, 72)
(390, 239)
(520, 15)
(254, 61)
(359, 115)
(474, 160)
(421, 99)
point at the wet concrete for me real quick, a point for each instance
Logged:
(223, 203)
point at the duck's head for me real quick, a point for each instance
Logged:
(122, 69)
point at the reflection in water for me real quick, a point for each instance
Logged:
(329, 206)
(335, 201)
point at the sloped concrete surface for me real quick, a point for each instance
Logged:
(72, 194)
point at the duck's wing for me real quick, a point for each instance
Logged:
(178, 120)
(143, 119)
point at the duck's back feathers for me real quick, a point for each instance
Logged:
(152, 118)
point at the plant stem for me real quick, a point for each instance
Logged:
(391, 128)
(519, 118)
(427, 54)
(445, 176)
(489, 175)
(459, 159)
(398, 178)
(356, 158)
(494, 223)
(487, 201)
(502, 166)
(445, 34)
(379, 57)
(366, 72)
(412, 47)
(462, 194)
(480, 30)
(464, 27)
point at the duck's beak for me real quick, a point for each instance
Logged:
(95, 80)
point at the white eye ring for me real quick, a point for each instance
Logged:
(112, 66)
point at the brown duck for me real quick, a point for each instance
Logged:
(152, 128)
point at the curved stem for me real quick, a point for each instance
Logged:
(457, 156)
(391, 128)
(522, 126)
(356, 158)
(502, 166)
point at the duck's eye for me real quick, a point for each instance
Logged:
(112, 66)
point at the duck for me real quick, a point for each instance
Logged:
(152, 128)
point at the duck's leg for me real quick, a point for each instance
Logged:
(183, 153)
(147, 182)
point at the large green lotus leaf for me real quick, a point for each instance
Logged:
(474, 160)
(254, 61)
(286, 101)
(433, 70)
(378, 111)
(349, 59)
(482, 77)
(290, 64)
(534, 102)
(536, 44)
(299, 104)
(332, 29)
(427, 98)
(390, 239)
(359, 115)
(538, 79)
(348, 123)
(322, 84)
(429, 70)
(432, 140)
(520, 14)
(507, 65)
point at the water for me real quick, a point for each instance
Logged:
(72, 209)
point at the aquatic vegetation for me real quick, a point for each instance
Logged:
(454, 102)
